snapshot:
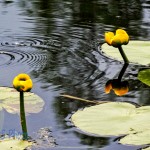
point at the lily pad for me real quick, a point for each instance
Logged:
(148, 148)
(1, 118)
(140, 138)
(113, 119)
(9, 100)
(14, 144)
(136, 51)
(144, 76)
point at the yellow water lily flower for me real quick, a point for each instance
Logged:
(119, 88)
(120, 38)
(22, 83)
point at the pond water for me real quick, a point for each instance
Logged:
(57, 44)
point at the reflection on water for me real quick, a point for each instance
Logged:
(57, 44)
(119, 87)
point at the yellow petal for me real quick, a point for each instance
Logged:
(121, 31)
(116, 41)
(27, 85)
(23, 77)
(108, 37)
(124, 37)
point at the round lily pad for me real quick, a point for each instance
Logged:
(140, 138)
(1, 118)
(114, 119)
(14, 144)
(136, 51)
(144, 76)
(9, 100)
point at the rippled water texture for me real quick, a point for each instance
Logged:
(58, 44)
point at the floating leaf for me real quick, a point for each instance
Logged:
(140, 138)
(14, 144)
(113, 119)
(97, 119)
(9, 99)
(144, 76)
(136, 51)
(1, 118)
(148, 148)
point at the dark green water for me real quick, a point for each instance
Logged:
(56, 43)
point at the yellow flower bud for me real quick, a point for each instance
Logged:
(120, 38)
(22, 83)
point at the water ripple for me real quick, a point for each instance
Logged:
(27, 51)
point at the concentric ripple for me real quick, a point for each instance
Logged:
(42, 42)
(27, 51)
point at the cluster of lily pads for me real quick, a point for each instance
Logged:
(121, 119)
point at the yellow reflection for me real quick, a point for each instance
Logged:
(119, 87)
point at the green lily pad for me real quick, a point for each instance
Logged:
(113, 119)
(14, 144)
(148, 148)
(1, 118)
(9, 100)
(136, 51)
(144, 76)
(140, 138)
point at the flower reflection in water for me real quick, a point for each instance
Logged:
(119, 87)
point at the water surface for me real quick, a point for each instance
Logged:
(57, 43)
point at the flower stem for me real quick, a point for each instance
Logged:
(123, 55)
(22, 117)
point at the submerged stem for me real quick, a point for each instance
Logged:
(22, 117)
(122, 71)
(123, 55)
